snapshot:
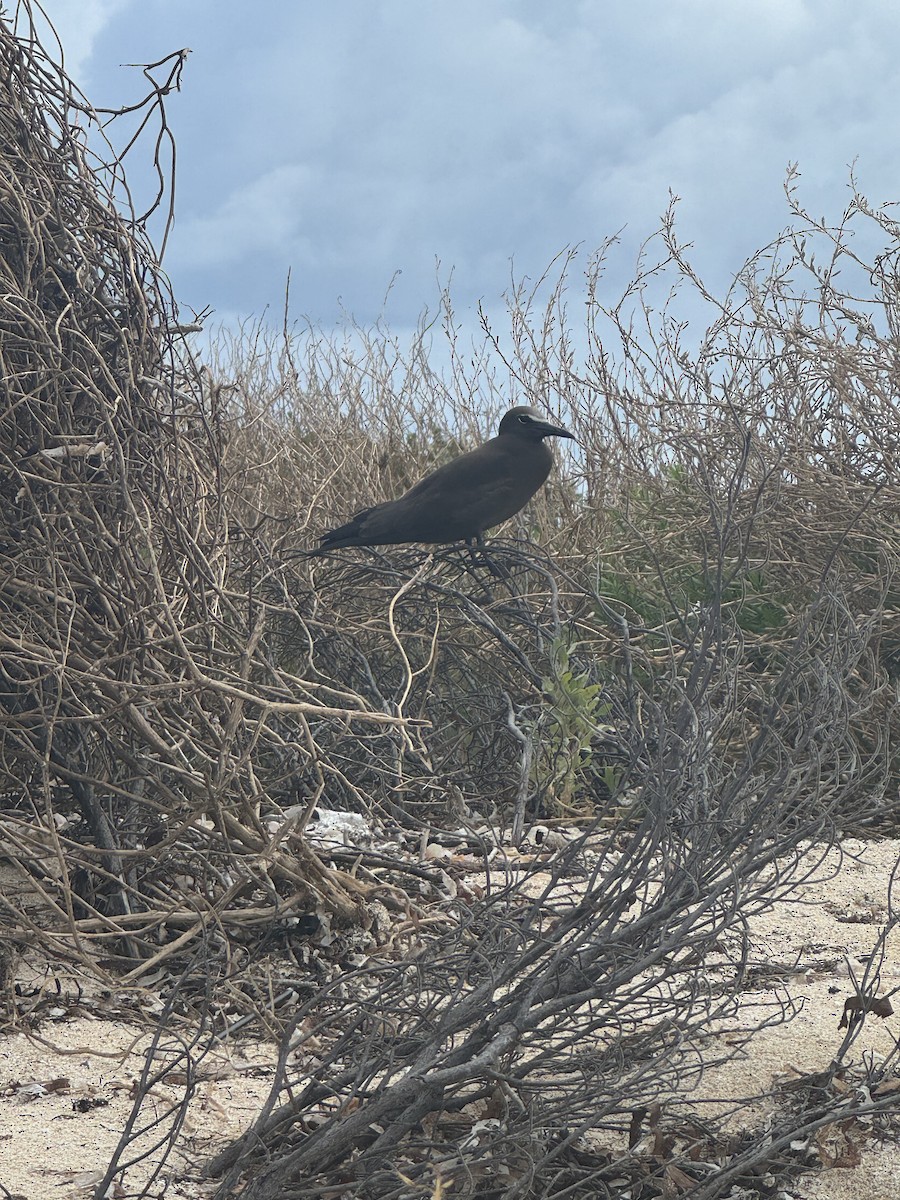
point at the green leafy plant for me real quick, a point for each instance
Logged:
(572, 713)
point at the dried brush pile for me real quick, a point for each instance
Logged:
(702, 660)
(181, 687)
(142, 721)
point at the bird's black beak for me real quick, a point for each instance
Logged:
(548, 430)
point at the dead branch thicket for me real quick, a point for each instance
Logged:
(715, 605)
(697, 658)
(142, 719)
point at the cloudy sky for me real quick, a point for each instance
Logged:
(351, 140)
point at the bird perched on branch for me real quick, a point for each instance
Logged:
(462, 499)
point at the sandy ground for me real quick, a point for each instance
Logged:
(65, 1097)
(828, 933)
(59, 1142)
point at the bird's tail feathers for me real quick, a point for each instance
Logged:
(348, 534)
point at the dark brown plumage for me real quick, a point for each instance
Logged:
(462, 499)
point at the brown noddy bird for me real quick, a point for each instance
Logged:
(462, 499)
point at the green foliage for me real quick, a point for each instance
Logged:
(572, 711)
(757, 605)
(663, 562)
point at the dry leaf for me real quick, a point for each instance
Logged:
(855, 1006)
(39, 1088)
(87, 1179)
(634, 1130)
(675, 1181)
(836, 1149)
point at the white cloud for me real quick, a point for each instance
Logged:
(78, 24)
(351, 140)
(261, 216)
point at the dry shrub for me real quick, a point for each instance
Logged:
(698, 655)
(143, 723)
(712, 605)
(743, 463)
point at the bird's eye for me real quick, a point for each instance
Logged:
(523, 420)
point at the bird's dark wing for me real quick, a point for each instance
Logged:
(473, 493)
(459, 500)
